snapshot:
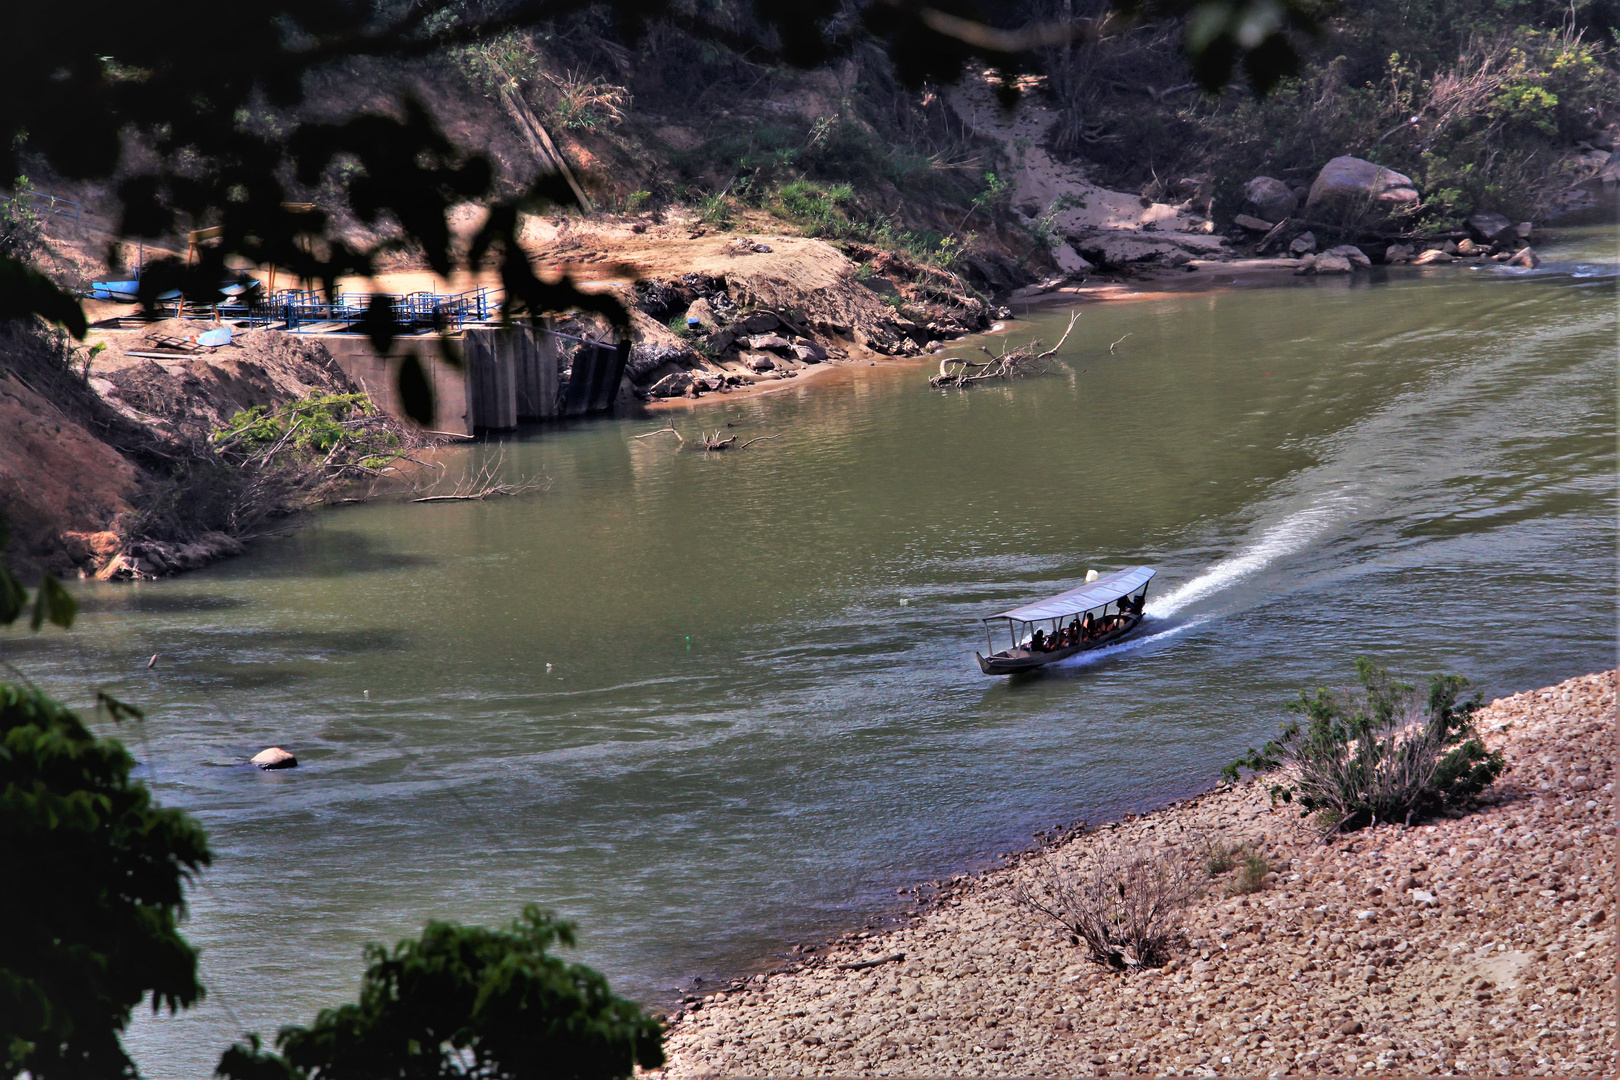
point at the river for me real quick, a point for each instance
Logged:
(708, 705)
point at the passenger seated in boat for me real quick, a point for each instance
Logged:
(1076, 634)
(1038, 642)
(1088, 629)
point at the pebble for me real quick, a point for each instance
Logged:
(1479, 954)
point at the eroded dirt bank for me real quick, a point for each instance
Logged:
(1477, 945)
(111, 465)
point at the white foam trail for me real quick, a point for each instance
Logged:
(1093, 656)
(1287, 536)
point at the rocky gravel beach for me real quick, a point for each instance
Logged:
(1481, 944)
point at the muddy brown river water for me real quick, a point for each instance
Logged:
(711, 705)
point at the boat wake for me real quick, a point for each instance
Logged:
(1086, 659)
(1286, 537)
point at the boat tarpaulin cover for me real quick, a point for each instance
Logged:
(1105, 590)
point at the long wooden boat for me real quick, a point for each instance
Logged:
(1067, 624)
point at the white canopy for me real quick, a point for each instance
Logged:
(1105, 590)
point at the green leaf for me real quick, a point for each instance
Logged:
(13, 597)
(60, 607)
(52, 602)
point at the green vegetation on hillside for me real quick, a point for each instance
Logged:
(1502, 90)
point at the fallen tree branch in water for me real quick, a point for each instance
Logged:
(958, 372)
(670, 430)
(483, 485)
(708, 442)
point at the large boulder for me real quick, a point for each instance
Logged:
(1269, 199)
(1355, 256)
(646, 357)
(1489, 226)
(675, 384)
(1351, 187)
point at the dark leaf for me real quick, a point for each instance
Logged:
(378, 322)
(116, 709)
(415, 394)
(25, 292)
(13, 597)
(60, 607)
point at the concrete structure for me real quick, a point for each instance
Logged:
(505, 375)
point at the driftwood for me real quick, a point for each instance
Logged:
(959, 372)
(708, 442)
(862, 965)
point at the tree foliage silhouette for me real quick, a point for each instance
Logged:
(467, 1002)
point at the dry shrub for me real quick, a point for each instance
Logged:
(1220, 856)
(1378, 753)
(1251, 879)
(1125, 904)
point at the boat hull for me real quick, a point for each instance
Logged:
(1013, 661)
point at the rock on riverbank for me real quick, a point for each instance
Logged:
(1477, 945)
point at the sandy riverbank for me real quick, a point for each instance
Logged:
(1481, 945)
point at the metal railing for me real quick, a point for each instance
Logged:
(54, 204)
(302, 311)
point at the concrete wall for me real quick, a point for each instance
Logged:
(378, 376)
(508, 375)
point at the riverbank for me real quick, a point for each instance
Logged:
(1461, 946)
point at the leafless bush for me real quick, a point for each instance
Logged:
(481, 483)
(1125, 904)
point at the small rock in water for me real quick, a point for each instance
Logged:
(274, 757)
(1527, 258)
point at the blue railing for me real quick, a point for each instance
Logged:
(301, 311)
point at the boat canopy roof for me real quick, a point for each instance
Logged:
(1105, 590)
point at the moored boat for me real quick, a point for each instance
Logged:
(1069, 623)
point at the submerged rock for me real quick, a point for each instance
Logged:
(1527, 258)
(274, 757)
